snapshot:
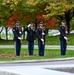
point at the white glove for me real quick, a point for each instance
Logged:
(29, 25)
(20, 32)
(42, 40)
(19, 38)
(43, 33)
(65, 38)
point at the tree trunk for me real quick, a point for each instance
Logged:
(68, 26)
(67, 17)
(6, 33)
(1, 31)
(0, 35)
(24, 35)
(36, 23)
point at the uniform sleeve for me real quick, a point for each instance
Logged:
(63, 31)
(46, 31)
(35, 34)
(14, 31)
(38, 33)
(25, 29)
(20, 32)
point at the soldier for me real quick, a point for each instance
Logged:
(17, 31)
(41, 33)
(63, 38)
(30, 37)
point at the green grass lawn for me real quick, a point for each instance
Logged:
(9, 54)
(50, 40)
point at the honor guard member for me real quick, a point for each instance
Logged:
(41, 33)
(30, 37)
(17, 31)
(63, 37)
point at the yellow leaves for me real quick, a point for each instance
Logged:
(8, 1)
(49, 15)
(63, 3)
(53, 7)
(66, 7)
(58, 9)
(46, 16)
(13, 1)
(47, 8)
(3, 3)
(32, 2)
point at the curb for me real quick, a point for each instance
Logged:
(36, 61)
(36, 47)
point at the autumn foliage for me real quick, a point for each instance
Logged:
(11, 21)
(49, 23)
(40, 17)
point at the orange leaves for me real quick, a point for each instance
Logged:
(26, 18)
(51, 23)
(13, 18)
(11, 22)
(40, 17)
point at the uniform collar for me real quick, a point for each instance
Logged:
(63, 25)
(41, 27)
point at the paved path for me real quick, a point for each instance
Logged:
(36, 47)
(35, 69)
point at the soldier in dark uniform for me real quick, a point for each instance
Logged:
(17, 31)
(30, 37)
(63, 38)
(41, 33)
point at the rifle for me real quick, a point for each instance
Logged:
(65, 36)
(20, 33)
(43, 36)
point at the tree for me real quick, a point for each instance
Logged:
(61, 9)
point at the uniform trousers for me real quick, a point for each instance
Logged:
(30, 47)
(18, 47)
(63, 46)
(41, 48)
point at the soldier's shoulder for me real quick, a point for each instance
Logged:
(61, 26)
(44, 27)
(14, 27)
(38, 28)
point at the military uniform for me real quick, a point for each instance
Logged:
(17, 31)
(41, 40)
(30, 38)
(63, 39)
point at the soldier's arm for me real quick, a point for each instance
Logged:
(35, 34)
(38, 34)
(62, 31)
(14, 31)
(25, 29)
(45, 31)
